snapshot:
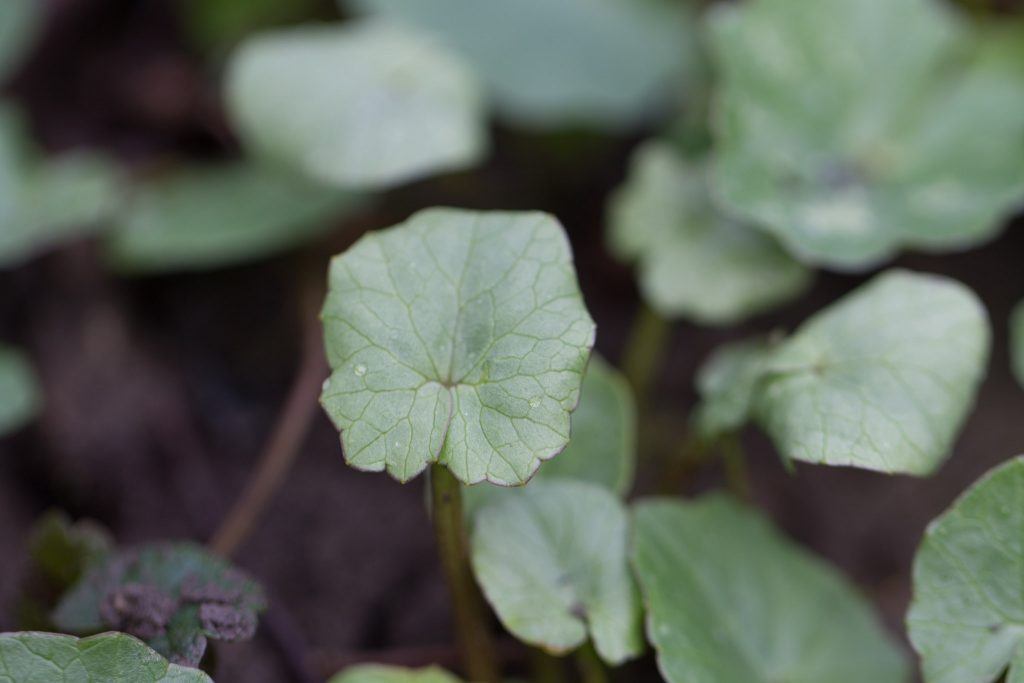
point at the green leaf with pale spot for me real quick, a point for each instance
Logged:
(208, 217)
(456, 337)
(551, 559)
(34, 657)
(883, 379)
(966, 619)
(19, 392)
(727, 384)
(730, 599)
(375, 673)
(20, 21)
(1017, 342)
(549, 63)
(693, 261)
(363, 106)
(852, 130)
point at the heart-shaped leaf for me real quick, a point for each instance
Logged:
(456, 337)
(552, 561)
(694, 261)
(174, 596)
(20, 21)
(854, 129)
(596, 63)
(374, 673)
(207, 217)
(365, 105)
(19, 393)
(729, 599)
(33, 657)
(967, 616)
(1017, 341)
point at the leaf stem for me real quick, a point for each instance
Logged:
(546, 668)
(478, 653)
(734, 460)
(644, 350)
(590, 666)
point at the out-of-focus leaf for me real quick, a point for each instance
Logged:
(209, 217)
(457, 337)
(375, 673)
(693, 261)
(63, 550)
(218, 24)
(853, 129)
(730, 599)
(20, 21)
(967, 616)
(552, 560)
(172, 595)
(727, 384)
(547, 63)
(362, 106)
(33, 657)
(19, 393)
(1017, 342)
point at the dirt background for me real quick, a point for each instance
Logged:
(161, 391)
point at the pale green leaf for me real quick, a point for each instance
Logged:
(551, 559)
(374, 673)
(20, 21)
(854, 129)
(33, 657)
(728, 384)
(456, 337)
(883, 379)
(548, 63)
(19, 393)
(207, 217)
(967, 616)
(1017, 341)
(729, 599)
(364, 105)
(693, 261)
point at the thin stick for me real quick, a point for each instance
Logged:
(282, 447)
(478, 653)
(590, 666)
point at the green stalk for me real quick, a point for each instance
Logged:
(546, 668)
(643, 355)
(590, 666)
(734, 459)
(471, 628)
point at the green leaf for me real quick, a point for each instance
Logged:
(20, 21)
(374, 673)
(883, 379)
(1017, 341)
(550, 63)
(694, 261)
(728, 384)
(63, 551)
(456, 337)
(730, 599)
(551, 559)
(854, 129)
(174, 596)
(363, 105)
(967, 616)
(208, 217)
(19, 393)
(33, 657)
(218, 24)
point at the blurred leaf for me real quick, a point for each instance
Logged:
(854, 129)
(695, 262)
(33, 657)
(457, 337)
(44, 201)
(374, 673)
(63, 550)
(550, 63)
(883, 379)
(19, 393)
(727, 384)
(551, 559)
(730, 599)
(1017, 342)
(208, 217)
(20, 22)
(172, 595)
(218, 24)
(967, 616)
(363, 106)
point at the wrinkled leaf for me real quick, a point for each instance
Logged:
(33, 657)
(174, 596)
(374, 673)
(693, 261)
(547, 63)
(967, 616)
(854, 129)
(551, 559)
(207, 217)
(20, 21)
(19, 393)
(457, 337)
(728, 384)
(63, 550)
(1017, 342)
(730, 599)
(363, 105)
